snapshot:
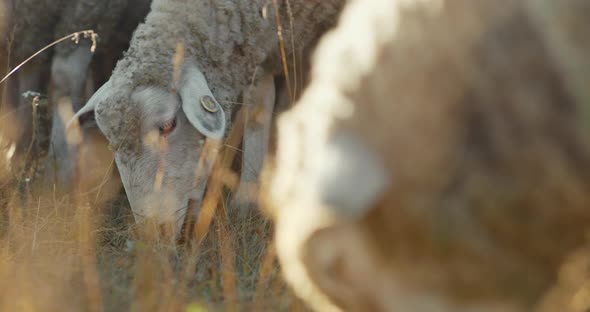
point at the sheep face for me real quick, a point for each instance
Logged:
(164, 140)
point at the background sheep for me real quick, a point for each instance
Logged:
(438, 161)
(24, 36)
(65, 72)
(191, 55)
(74, 66)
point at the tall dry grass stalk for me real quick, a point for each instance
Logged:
(268, 263)
(228, 265)
(90, 34)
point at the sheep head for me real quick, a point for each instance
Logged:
(159, 136)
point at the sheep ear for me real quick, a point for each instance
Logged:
(96, 98)
(199, 105)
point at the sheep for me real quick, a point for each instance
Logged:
(5, 17)
(72, 63)
(259, 137)
(28, 31)
(438, 160)
(4, 21)
(160, 108)
(65, 72)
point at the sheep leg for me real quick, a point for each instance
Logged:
(69, 74)
(260, 101)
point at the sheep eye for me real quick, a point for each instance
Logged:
(167, 127)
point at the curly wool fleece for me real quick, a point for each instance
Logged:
(227, 40)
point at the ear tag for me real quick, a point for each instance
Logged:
(209, 104)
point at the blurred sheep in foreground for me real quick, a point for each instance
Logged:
(439, 159)
(160, 109)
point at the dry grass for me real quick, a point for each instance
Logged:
(80, 250)
(72, 253)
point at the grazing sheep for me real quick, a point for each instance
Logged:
(5, 17)
(28, 31)
(160, 105)
(439, 159)
(64, 70)
(74, 65)
(259, 139)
